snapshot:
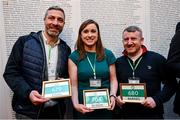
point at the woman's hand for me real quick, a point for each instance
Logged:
(112, 102)
(82, 108)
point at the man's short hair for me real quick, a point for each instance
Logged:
(54, 8)
(133, 29)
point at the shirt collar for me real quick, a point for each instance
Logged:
(143, 52)
(45, 40)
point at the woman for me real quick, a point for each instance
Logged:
(90, 61)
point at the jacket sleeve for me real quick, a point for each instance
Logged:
(168, 84)
(163, 96)
(13, 71)
(173, 60)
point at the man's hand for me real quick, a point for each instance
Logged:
(149, 102)
(36, 98)
(119, 101)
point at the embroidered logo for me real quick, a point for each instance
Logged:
(149, 67)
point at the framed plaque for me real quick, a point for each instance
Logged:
(133, 93)
(56, 88)
(96, 99)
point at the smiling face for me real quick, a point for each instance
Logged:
(132, 42)
(89, 36)
(54, 23)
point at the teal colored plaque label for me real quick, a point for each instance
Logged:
(56, 89)
(96, 99)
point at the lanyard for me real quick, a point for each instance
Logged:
(134, 68)
(49, 53)
(92, 67)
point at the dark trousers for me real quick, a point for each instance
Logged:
(62, 110)
(22, 117)
(54, 112)
(118, 113)
(96, 114)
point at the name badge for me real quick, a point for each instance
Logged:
(95, 82)
(134, 80)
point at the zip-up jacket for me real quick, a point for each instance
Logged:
(152, 71)
(27, 68)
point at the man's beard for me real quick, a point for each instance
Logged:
(53, 34)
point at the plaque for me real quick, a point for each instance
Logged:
(56, 88)
(133, 93)
(96, 99)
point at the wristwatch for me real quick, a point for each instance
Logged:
(112, 96)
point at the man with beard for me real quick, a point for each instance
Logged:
(35, 58)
